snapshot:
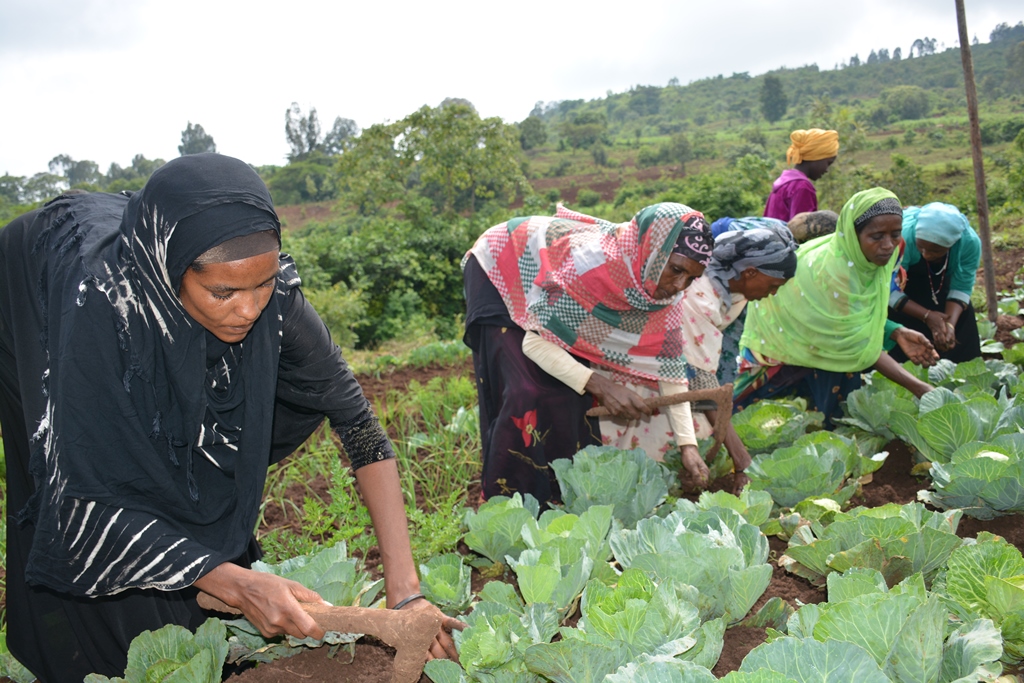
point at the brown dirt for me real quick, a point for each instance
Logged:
(1008, 263)
(606, 184)
(1004, 325)
(376, 387)
(893, 482)
(297, 215)
(739, 640)
(373, 662)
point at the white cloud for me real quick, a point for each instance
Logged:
(105, 81)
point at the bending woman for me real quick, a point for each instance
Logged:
(549, 300)
(156, 355)
(941, 260)
(828, 324)
(749, 263)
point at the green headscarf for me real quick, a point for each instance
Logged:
(832, 315)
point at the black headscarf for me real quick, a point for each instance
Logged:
(695, 240)
(125, 497)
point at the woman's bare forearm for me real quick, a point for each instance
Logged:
(382, 493)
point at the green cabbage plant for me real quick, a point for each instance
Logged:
(767, 425)
(445, 581)
(636, 618)
(896, 540)
(817, 465)
(562, 552)
(332, 574)
(867, 632)
(714, 550)
(175, 655)
(496, 529)
(498, 632)
(631, 482)
(983, 479)
(986, 578)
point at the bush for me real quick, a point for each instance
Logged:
(587, 197)
(648, 156)
(906, 101)
(904, 178)
(341, 309)
(1001, 131)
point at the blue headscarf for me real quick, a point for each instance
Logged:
(939, 223)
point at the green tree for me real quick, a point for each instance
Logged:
(923, 46)
(312, 179)
(645, 100)
(773, 99)
(195, 140)
(42, 186)
(11, 188)
(372, 171)
(1005, 33)
(1015, 67)
(460, 152)
(303, 132)
(340, 137)
(131, 177)
(532, 132)
(584, 128)
(679, 150)
(78, 173)
(904, 178)
(906, 101)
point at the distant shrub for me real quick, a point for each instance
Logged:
(1001, 131)
(906, 101)
(341, 309)
(648, 156)
(904, 178)
(587, 197)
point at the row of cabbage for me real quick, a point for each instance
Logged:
(657, 580)
(967, 434)
(667, 578)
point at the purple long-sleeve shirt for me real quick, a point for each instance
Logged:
(792, 193)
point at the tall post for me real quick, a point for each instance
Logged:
(979, 164)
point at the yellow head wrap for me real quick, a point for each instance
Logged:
(811, 145)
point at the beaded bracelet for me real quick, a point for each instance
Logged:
(406, 601)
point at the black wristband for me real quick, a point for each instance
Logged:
(406, 601)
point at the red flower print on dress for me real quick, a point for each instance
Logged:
(528, 424)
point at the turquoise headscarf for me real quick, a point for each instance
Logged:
(944, 225)
(939, 223)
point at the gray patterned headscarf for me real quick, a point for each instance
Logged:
(890, 206)
(762, 243)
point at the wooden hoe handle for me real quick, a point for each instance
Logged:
(409, 632)
(722, 396)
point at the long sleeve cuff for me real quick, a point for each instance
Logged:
(962, 297)
(679, 415)
(556, 361)
(897, 300)
(888, 343)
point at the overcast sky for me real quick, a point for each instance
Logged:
(105, 80)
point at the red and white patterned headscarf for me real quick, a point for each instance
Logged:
(587, 284)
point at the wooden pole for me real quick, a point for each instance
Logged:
(979, 164)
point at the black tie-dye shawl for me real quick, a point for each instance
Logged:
(123, 496)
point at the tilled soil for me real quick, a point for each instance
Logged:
(893, 482)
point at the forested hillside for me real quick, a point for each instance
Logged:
(379, 219)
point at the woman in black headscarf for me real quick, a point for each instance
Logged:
(156, 355)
